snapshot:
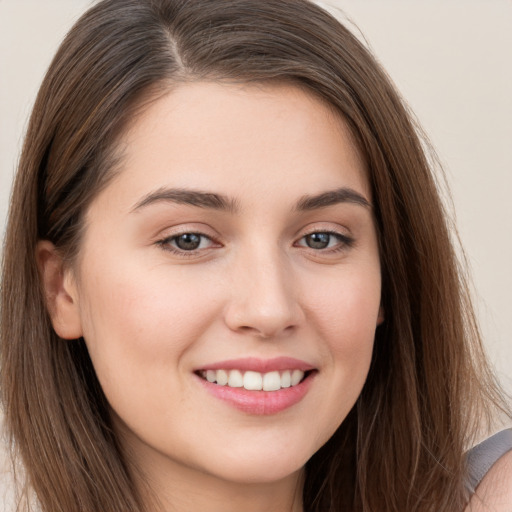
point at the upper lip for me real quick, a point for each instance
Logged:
(260, 365)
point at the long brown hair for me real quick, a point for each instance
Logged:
(401, 447)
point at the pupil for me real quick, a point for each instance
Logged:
(188, 241)
(318, 240)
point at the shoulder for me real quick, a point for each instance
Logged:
(494, 493)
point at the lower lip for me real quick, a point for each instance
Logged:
(260, 402)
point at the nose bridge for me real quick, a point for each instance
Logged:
(264, 300)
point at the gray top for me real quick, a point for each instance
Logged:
(482, 457)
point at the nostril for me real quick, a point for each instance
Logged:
(268, 333)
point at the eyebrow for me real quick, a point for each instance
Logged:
(197, 198)
(330, 198)
(214, 201)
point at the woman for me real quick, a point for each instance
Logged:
(238, 275)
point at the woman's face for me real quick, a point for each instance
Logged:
(236, 243)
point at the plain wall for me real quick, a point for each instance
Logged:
(451, 59)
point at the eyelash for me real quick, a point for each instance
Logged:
(165, 244)
(345, 242)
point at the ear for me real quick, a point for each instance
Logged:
(60, 291)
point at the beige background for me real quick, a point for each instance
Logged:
(452, 61)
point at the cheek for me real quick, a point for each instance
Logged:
(346, 314)
(141, 323)
(346, 309)
(140, 329)
(352, 338)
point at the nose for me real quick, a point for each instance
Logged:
(263, 296)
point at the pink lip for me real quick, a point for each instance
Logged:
(260, 402)
(260, 365)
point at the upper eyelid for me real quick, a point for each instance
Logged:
(172, 232)
(213, 238)
(175, 231)
(324, 230)
(342, 232)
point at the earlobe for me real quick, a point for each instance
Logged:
(60, 291)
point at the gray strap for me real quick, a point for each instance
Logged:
(482, 457)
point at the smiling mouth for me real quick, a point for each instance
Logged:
(254, 381)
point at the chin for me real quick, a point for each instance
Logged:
(253, 472)
(261, 466)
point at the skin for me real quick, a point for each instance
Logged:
(494, 494)
(254, 287)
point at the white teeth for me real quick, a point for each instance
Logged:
(236, 379)
(297, 376)
(286, 379)
(254, 381)
(222, 377)
(271, 381)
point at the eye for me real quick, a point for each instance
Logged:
(325, 240)
(186, 242)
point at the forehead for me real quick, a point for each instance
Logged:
(207, 135)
